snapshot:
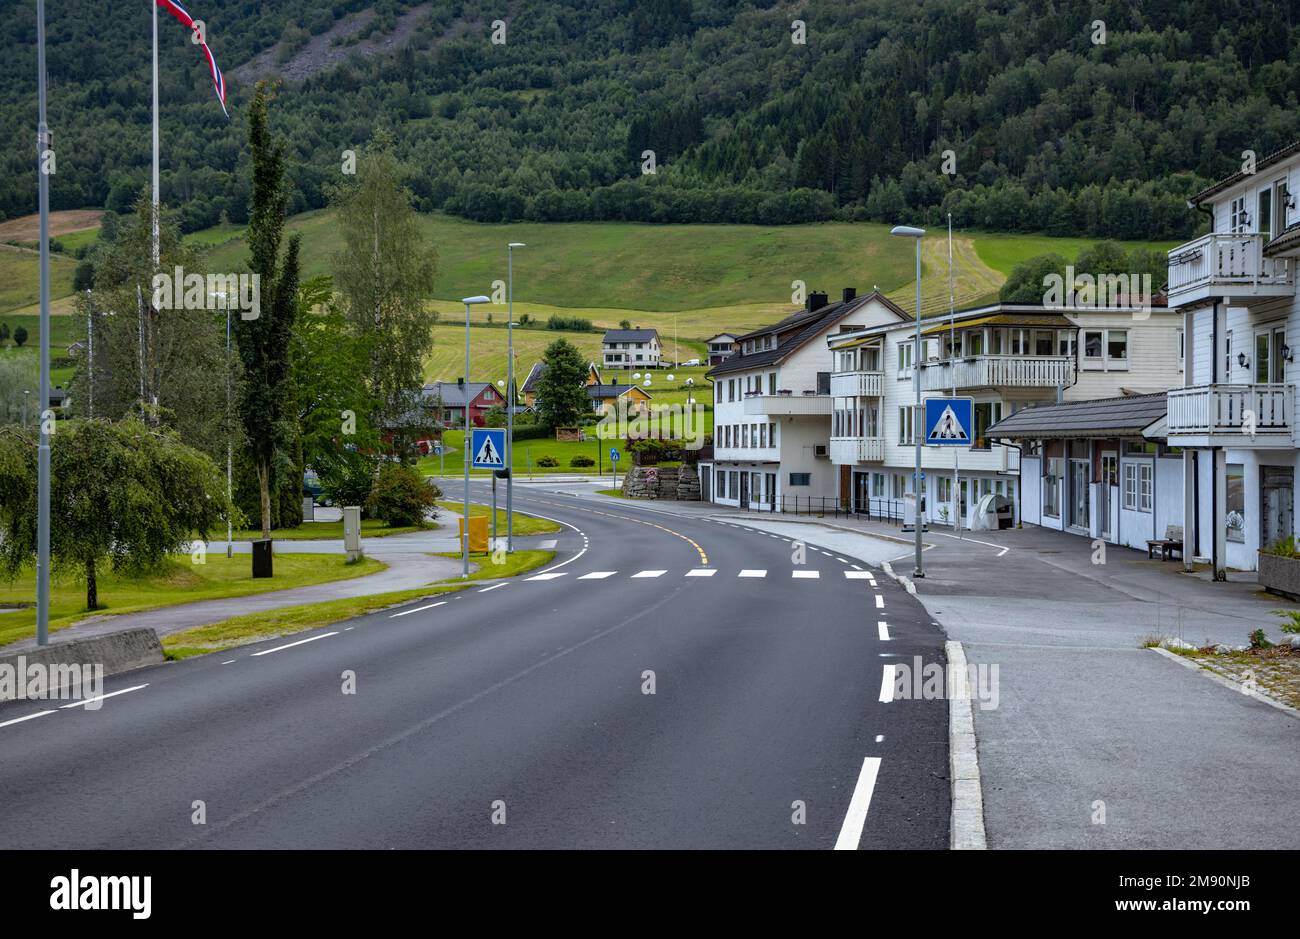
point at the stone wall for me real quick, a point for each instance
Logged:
(662, 482)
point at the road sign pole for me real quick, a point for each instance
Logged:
(916, 380)
(494, 511)
(466, 456)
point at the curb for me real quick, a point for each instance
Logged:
(816, 521)
(1227, 682)
(967, 829)
(113, 653)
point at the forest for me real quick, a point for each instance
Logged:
(1082, 118)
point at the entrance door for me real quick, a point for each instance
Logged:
(1109, 477)
(771, 490)
(1079, 493)
(1276, 503)
(744, 490)
(964, 500)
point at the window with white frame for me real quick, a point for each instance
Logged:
(1237, 217)
(1052, 487)
(905, 425)
(1138, 486)
(904, 358)
(1117, 345)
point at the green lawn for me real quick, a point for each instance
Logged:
(20, 276)
(526, 454)
(524, 524)
(308, 531)
(179, 582)
(251, 627)
(1004, 252)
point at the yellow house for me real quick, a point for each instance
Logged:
(529, 388)
(604, 397)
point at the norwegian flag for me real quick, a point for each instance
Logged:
(218, 80)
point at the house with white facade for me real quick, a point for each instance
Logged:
(630, 348)
(1005, 357)
(1234, 416)
(772, 405)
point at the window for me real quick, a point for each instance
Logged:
(771, 383)
(1065, 343)
(904, 358)
(762, 435)
(1092, 345)
(1182, 348)
(1117, 345)
(744, 435)
(800, 479)
(771, 435)
(735, 484)
(731, 389)
(1138, 487)
(1052, 487)
(1017, 342)
(878, 485)
(1042, 342)
(975, 342)
(1227, 356)
(1234, 518)
(1237, 218)
(905, 425)
(987, 413)
(722, 483)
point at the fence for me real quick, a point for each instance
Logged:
(883, 510)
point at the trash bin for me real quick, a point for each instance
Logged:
(478, 534)
(262, 557)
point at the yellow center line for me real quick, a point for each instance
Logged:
(704, 558)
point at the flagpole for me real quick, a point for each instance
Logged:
(43, 449)
(154, 5)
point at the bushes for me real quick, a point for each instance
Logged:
(547, 461)
(531, 432)
(575, 324)
(581, 460)
(401, 496)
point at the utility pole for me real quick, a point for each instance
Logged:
(466, 456)
(906, 231)
(510, 392)
(43, 152)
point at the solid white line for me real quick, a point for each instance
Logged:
(292, 644)
(806, 575)
(546, 576)
(597, 575)
(856, 817)
(880, 602)
(753, 573)
(418, 609)
(111, 694)
(858, 575)
(19, 720)
(883, 628)
(702, 572)
(650, 574)
(493, 587)
(887, 684)
(1002, 549)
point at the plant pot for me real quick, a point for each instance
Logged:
(1280, 575)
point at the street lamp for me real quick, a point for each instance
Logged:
(510, 393)
(466, 456)
(230, 447)
(907, 231)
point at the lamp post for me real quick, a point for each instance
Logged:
(466, 456)
(510, 393)
(906, 231)
(43, 448)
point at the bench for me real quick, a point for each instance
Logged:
(1169, 545)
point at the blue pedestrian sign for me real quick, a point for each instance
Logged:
(949, 422)
(488, 445)
(613, 454)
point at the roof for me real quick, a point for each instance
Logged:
(612, 390)
(630, 335)
(1126, 416)
(453, 394)
(730, 337)
(804, 326)
(1228, 182)
(534, 375)
(1047, 320)
(1286, 241)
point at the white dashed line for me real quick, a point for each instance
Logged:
(887, 684)
(292, 644)
(597, 575)
(858, 575)
(493, 587)
(806, 575)
(880, 602)
(701, 572)
(547, 576)
(851, 831)
(418, 609)
(753, 573)
(883, 629)
(649, 574)
(111, 694)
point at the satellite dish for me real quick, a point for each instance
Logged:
(669, 377)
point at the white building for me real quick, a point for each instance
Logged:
(1004, 356)
(630, 348)
(1234, 415)
(772, 406)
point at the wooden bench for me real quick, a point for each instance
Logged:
(1169, 545)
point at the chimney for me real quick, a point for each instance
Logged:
(816, 300)
(850, 293)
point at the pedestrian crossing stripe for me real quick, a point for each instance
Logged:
(487, 454)
(948, 428)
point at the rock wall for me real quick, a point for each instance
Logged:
(662, 482)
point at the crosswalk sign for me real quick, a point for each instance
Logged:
(488, 445)
(949, 422)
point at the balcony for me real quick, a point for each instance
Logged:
(998, 371)
(781, 405)
(857, 384)
(857, 450)
(1241, 416)
(1231, 266)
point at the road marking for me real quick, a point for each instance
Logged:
(842, 560)
(650, 574)
(232, 661)
(546, 576)
(806, 575)
(111, 694)
(880, 602)
(883, 629)
(887, 684)
(1001, 549)
(19, 720)
(298, 643)
(597, 575)
(493, 587)
(753, 573)
(702, 572)
(858, 575)
(418, 609)
(880, 738)
(856, 818)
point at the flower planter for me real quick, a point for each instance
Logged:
(1280, 575)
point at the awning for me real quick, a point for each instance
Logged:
(1046, 321)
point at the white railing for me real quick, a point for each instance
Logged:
(1231, 409)
(857, 449)
(857, 384)
(999, 371)
(792, 404)
(1225, 259)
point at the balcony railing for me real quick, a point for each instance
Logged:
(1223, 264)
(998, 371)
(1246, 413)
(857, 384)
(857, 449)
(792, 404)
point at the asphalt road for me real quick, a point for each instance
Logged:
(516, 716)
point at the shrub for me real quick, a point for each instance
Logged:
(1258, 640)
(581, 460)
(547, 461)
(348, 482)
(533, 431)
(1285, 548)
(400, 496)
(1291, 620)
